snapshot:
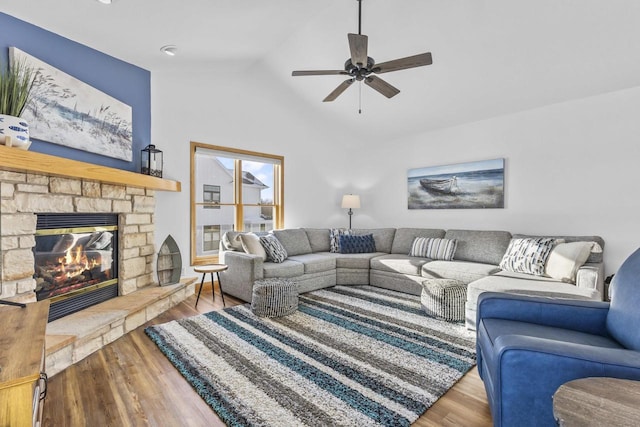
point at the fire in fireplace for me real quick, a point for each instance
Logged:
(75, 260)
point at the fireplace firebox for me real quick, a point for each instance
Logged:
(76, 261)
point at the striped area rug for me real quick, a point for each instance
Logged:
(350, 356)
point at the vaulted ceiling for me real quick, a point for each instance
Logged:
(490, 57)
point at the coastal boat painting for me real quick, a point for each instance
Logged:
(473, 185)
(66, 111)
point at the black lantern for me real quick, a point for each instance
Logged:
(151, 161)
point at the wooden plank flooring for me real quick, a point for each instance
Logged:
(131, 383)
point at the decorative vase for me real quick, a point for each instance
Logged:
(14, 132)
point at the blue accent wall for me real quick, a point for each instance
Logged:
(123, 81)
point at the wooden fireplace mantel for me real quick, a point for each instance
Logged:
(17, 160)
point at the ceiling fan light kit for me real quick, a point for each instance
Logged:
(361, 67)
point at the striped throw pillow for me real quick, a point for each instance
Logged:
(434, 248)
(274, 249)
(528, 255)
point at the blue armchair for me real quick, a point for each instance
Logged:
(527, 347)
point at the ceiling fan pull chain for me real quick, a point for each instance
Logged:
(360, 97)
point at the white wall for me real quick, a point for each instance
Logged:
(570, 168)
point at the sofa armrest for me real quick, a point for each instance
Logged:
(243, 270)
(594, 360)
(591, 276)
(578, 315)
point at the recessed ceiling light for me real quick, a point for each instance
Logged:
(170, 50)
(106, 1)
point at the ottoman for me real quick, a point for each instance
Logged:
(274, 297)
(444, 299)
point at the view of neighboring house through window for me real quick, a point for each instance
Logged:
(211, 194)
(231, 190)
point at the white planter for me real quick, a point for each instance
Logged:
(14, 132)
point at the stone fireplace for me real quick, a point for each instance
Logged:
(26, 195)
(36, 187)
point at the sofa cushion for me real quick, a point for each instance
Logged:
(361, 261)
(287, 268)
(404, 237)
(480, 246)
(274, 249)
(357, 244)
(433, 248)
(397, 263)
(314, 263)
(528, 255)
(251, 245)
(566, 258)
(527, 285)
(318, 239)
(382, 236)
(463, 271)
(596, 253)
(295, 241)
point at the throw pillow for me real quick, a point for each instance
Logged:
(274, 249)
(566, 258)
(251, 245)
(231, 240)
(528, 255)
(357, 244)
(434, 248)
(334, 236)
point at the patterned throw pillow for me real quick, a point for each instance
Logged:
(434, 248)
(274, 249)
(334, 236)
(528, 255)
(357, 244)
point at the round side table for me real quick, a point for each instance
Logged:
(210, 269)
(597, 401)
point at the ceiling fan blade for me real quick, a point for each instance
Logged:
(337, 91)
(404, 63)
(319, 73)
(358, 46)
(381, 86)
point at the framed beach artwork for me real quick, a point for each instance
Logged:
(66, 111)
(473, 185)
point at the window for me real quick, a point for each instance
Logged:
(211, 194)
(210, 237)
(232, 190)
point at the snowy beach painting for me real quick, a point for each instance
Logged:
(473, 185)
(66, 111)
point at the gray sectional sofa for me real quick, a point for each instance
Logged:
(312, 266)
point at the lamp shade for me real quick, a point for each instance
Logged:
(351, 201)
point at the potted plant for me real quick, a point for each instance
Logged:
(16, 83)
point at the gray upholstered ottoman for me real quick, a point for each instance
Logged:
(274, 297)
(444, 299)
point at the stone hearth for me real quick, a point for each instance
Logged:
(23, 195)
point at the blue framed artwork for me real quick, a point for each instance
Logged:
(473, 185)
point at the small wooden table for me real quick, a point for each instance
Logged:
(597, 401)
(210, 269)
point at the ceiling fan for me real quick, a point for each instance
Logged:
(361, 67)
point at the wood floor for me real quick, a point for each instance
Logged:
(131, 383)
